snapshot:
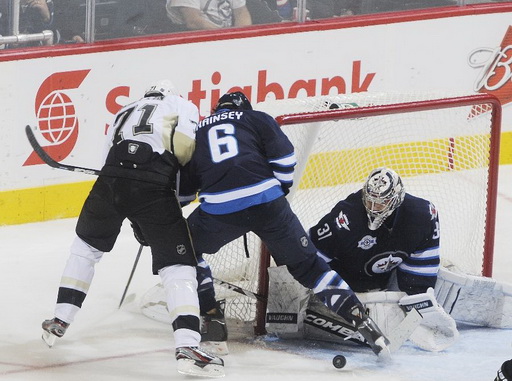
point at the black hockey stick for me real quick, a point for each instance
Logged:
(131, 276)
(50, 161)
(240, 290)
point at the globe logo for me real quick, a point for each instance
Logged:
(57, 117)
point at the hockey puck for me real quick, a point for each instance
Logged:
(339, 361)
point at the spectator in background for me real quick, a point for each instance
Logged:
(263, 12)
(346, 7)
(205, 14)
(70, 20)
(318, 9)
(114, 19)
(4, 22)
(35, 16)
(143, 17)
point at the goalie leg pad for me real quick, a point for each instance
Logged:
(287, 302)
(383, 308)
(474, 299)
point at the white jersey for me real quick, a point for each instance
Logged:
(166, 123)
(219, 12)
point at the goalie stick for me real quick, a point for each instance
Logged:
(346, 331)
(50, 161)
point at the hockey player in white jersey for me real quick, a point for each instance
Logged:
(147, 142)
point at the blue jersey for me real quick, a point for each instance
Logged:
(242, 158)
(407, 241)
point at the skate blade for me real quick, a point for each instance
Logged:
(189, 368)
(49, 338)
(218, 348)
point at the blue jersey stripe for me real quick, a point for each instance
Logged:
(238, 204)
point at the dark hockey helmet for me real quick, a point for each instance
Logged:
(233, 101)
(383, 192)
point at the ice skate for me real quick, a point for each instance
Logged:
(214, 333)
(52, 329)
(194, 361)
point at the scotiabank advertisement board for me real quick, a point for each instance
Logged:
(70, 99)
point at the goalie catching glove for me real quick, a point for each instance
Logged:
(438, 330)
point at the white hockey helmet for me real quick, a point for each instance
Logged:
(383, 192)
(164, 87)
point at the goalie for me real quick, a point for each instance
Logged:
(385, 243)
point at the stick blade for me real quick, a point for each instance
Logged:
(404, 330)
(38, 149)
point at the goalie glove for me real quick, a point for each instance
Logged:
(437, 330)
(137, 232)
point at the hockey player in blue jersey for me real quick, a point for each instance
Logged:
(381, 231)
(242, 169)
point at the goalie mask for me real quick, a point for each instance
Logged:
(383, 192)
(161, 88)
(233, 101)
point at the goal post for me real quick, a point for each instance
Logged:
(445, 148)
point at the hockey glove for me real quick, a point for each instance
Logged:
(138, 234)
(437, 330)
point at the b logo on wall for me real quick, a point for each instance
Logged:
(495, 65)
(56, 115)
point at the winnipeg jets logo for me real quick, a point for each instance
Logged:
(367, 242)
(386, 264)
(342, 221)
(433, 211)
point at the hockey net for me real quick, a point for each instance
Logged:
(446, 150)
